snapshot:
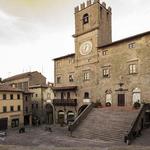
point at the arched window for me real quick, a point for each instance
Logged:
(86, 95)
(85, 18)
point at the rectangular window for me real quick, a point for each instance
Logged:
(71, 61)
(19, 108)
(20, 85)
(11, 108)
(4, 96)
(32, 106)
(132, 69)
(26, 109)
(11, 96)
(70, 78)
(131, 45)
(68, 95)
(26, 98)
(18, 96)
(4, 109)
(58, 64)
(86, 76)
(25, 86)
(37, 106)
(59, 79)
(106, 73)
(104, 52)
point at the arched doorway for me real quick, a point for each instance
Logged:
(81, 109)
(136, 96)
(49, 113)
(70, 116)
(61, 117)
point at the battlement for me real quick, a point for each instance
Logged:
(89, 3)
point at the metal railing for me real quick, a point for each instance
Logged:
(65, 102)
(138, 125)
(80, 118)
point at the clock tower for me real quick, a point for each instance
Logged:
(92, 29)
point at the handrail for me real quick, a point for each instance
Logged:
(80, 118)
(135, 128)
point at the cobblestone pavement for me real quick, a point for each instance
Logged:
(39, 139)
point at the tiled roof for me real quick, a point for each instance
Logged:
(20, 76)
(62, 57)
(126, 39)
(8, 88)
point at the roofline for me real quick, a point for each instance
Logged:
(65, 56)
(19, 76)
(12, 91)
(125, 39)
(38, 86)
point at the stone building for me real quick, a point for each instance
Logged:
(42, 96)
(112, 73)
(11, 107)
(34, 86)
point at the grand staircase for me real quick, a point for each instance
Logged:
(107, 124)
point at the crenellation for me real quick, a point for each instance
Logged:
(104, 4)
(96, 1)
(76, 9)
(89, 3)
(109, 9)
(82, 6)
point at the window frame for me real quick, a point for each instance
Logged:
(131, 45)
(11, 96)
(11, 108)
(106, 72)
(132, 69)
(4, 110)
(58, 79)
(4, 96)
(71, 78)
(86, 76)
(85, 18)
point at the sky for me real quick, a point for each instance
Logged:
(33, 32)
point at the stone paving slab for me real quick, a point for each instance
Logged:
(13, 147)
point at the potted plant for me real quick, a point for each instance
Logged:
(98, 103)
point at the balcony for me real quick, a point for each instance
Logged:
(65, 102)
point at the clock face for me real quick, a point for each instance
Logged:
(86, 48)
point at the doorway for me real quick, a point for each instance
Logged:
(121, 99)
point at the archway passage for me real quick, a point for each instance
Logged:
(61, 117)
(81, 109)
(70, 116)
(49, 114)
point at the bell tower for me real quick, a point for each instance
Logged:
(92, 28)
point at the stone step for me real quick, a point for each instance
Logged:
(106, 124)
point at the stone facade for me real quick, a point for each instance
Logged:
(113, 73)
(11, 107)
(34, 86)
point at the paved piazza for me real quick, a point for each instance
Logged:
(39, 139)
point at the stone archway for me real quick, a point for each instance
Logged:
(70, 116)
(136, 97)
(61, 117)
(81, 109)
(49, 113)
